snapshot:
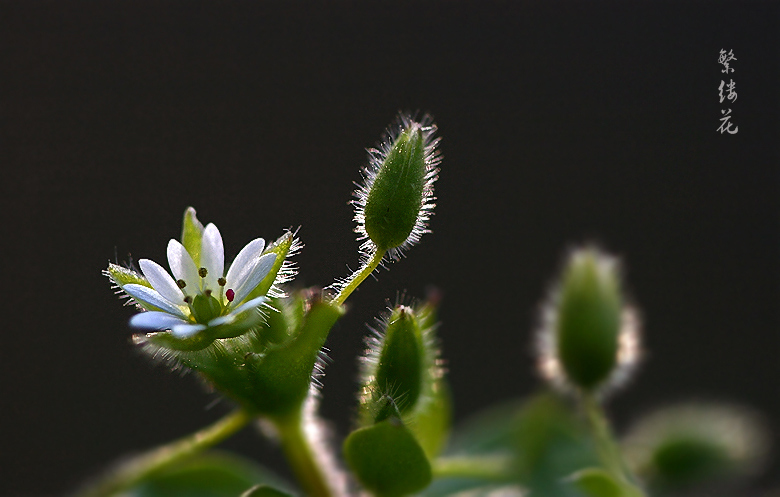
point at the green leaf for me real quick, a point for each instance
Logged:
(210, 474)
(192, 234)
(264, 491)
(387, 459)
(596, 482)
(542, 437)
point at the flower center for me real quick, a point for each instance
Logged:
(203, 305)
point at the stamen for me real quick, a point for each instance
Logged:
(222, 282)
(181, 283)
(230, 294)
(207, 293)
(188, 299)
(202, 272)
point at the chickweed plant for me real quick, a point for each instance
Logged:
(257, 343)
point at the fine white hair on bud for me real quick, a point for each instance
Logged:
(589, 338)
(395, 201)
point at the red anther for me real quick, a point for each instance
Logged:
(230, 294)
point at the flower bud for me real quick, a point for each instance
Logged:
(402, 376)
(589, 335)
(399, 372)
(689, 444)
(395, 201)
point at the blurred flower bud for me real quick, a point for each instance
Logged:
(692, 443)
(589, 338)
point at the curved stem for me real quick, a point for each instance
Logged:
(358, 276)
(140, 467)
(608, 451)
(493, 468)
(301, 458)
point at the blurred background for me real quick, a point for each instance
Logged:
(562, 123)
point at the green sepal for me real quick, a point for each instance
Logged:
(395, 199)
(281, 247)
(588, 319)
(281, 377)
(596, 482)
(400, 369)
(249, 318)
(267, 370)
(264, 491)
(122, 276)
(283, 320)
(192, 234)
(165, 341)
(387, 460)
(433, 421)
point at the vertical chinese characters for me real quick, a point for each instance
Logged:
(727, 91)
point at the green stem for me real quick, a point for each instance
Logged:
(301, 458)
(358, 276)
(144, 465)
(493, 468)
(608, 451)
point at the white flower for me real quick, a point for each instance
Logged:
(199, 298)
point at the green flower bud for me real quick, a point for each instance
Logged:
(399, 372)
(403, 377)
(589, 335)
(691, 444)
(395, 201)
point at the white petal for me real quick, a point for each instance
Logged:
(161, 281)
(229, 318)
(150, 298)
(256, 302)
(186, 330)
(248, 306)
(241, 264)
(258, 270)
(212, 256)
(155, 320)
(183, 267)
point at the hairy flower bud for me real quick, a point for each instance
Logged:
(689, 444)
(395, 201)
(589, 335)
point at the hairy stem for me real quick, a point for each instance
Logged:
(493, 468)
(301, 457)
(358, 276)
(138, 468)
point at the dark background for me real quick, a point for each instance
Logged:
(561, 123)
